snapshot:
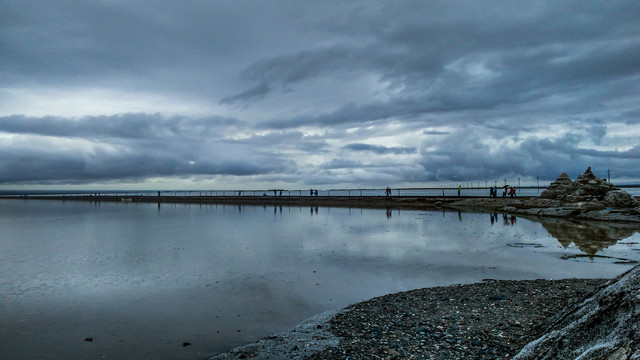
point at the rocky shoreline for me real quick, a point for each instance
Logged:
(493, 319)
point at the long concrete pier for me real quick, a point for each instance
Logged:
(413, 202)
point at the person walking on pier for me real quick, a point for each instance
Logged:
(459, 188)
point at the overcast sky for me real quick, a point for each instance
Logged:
(297, 94)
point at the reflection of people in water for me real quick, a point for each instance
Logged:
(494, 217)
(459, 216)
(507, 220)
(388, 213)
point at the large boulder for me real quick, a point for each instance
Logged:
(619, 198)
(604, 326)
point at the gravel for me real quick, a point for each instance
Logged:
(489, 320)
(493, 319)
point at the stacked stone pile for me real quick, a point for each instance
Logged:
(588, 198)
(588, 188)
(557, 187)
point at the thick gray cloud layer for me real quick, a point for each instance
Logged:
(317, 93)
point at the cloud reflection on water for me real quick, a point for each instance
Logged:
(189, 270)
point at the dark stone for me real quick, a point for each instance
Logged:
(185, 344)
(89, 339)
(423, 329)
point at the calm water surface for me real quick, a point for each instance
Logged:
(140, 279)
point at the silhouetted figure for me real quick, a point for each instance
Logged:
(459, 188)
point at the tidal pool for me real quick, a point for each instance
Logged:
(143, 280)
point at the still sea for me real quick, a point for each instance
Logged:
(83, 280)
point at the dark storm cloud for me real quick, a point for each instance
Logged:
(491, 89)
(293, 140)
(126, 126)
(434, 132)
(514, 56)
(544, 158)
(126, 147)
(379, 149)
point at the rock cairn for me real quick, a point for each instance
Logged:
(588, 188)
(556, 188)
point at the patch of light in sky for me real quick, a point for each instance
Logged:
(624, 131)
(473, 67)
(46, 143)
(94, 102)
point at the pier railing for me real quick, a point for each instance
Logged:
(278, 192)
(354, 192)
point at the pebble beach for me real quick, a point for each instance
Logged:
(493, 319)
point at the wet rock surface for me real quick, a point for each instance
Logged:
(489, 320)
(606, 325)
